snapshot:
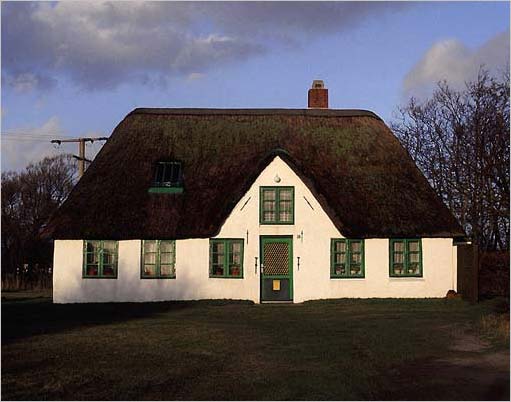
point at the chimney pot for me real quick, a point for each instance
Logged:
(318, 95)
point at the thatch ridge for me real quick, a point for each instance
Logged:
(356, 168)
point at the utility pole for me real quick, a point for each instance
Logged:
(81, 150)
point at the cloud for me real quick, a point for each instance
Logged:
(22, 146)
(103, 45)
(452, 61)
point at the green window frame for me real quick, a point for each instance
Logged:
(405, 258)
(168, 177)
(276, 205)
(100, 259)
(226, 258)
(158, 259)
(347, 258)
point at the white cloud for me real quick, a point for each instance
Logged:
(22, 146)
(101, 45)
(452, 61)
(195, 76)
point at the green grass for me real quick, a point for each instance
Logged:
(342, 349)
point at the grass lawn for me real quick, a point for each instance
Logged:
(328, 350)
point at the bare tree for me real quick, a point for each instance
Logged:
(28, 200)
(460, 141)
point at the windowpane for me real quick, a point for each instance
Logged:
(356, 246)
(269, 195)
(340, 258)
(413, 268)
(218, 247)
(285, 194)
(355, 269)
(92, 259)
(92, 246)
(356, 259)
(340, 246)
(398, 258)
(218, 269)
(236, 247)
(399, 246)
(166, 258)
(92, 270)
(108, 259)
(109, 246)
(285, 216)
(108, 270)
(269, 216)
(149, 270)
(167, 270)
(414, 258)
(150, 258)
(413, 246)
(235, 270)
(398, 268)
(150, 246)
(166, 246)
(340, 269)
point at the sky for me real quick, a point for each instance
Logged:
(75, 69)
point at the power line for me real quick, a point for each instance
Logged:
(81, 148)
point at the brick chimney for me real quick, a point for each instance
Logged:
(318, 95)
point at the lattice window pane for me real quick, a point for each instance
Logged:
(150, 246)
(413, 246)
(167, 270)
(150, 258)
(149, 270)
(340, 246)
(166, 258)
(92, 270)
(93, 246)
(108, 270)
(399, 246)
(356, 246)
(276, 259)
(167, 246)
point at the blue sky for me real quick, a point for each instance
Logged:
(76, 69)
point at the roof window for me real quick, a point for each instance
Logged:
(168, 178)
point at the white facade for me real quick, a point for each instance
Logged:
(311, 232)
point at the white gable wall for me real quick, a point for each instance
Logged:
(310, 281)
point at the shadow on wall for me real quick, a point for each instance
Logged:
(26, 317)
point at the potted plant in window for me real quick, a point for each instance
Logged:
(235, 270)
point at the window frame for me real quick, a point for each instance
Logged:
(277, 205)
(226, 242)
(100, 274)
(406, 254)
(167, 186)
(348, 253)
(157, 264)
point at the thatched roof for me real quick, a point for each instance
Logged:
(349, 159)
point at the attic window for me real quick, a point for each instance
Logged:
(168, 178)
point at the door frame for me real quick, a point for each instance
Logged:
(289, 238)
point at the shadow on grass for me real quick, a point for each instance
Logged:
(26, 316)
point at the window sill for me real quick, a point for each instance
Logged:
(347, 277)
(157, 277)
(224, 277)
(165, 190)
(99, 277)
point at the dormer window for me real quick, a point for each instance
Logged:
(168, 178)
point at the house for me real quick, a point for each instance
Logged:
(258, 204)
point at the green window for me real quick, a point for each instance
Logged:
(100, 259)
(347, 258)
(277, 205)
(226, 258)
(158, 259)
(405, 257)
(168, 178)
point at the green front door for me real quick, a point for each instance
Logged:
(276, 268)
